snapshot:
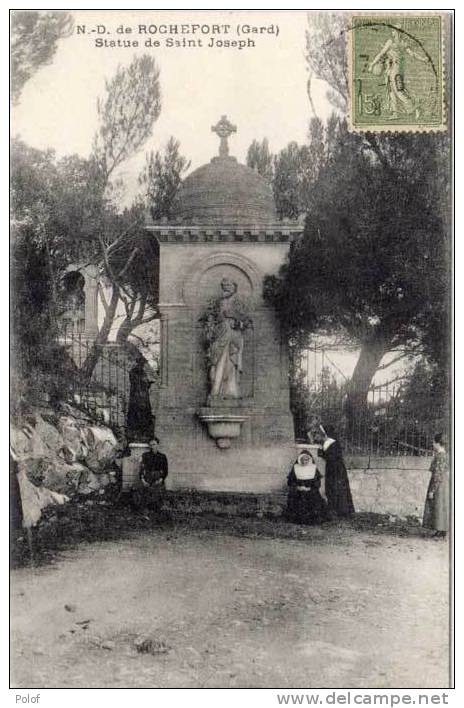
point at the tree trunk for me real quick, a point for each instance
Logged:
(131, 323)
(368, 362)
(125, 329)
(102, 336)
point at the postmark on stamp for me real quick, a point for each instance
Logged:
(396, 72)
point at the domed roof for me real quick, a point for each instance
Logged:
(224, 191)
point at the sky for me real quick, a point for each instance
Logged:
(261, 89)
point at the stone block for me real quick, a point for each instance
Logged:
(390, 485)
(131, 465)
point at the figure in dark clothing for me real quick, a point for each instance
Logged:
(337, 485)
(16, 511)
(153, 472)
(154, 467)
(436, 510)
(305, 504)
(140, 419)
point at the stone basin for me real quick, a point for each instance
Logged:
(223, 425)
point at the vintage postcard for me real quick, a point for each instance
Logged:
(231, 441)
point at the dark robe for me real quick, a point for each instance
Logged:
(305, 507)
(153, 472)
(140, 420)
(437, 509)
(16, 510)
(337, 485)
(154, 466)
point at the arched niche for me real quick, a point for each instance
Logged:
(71, 303)
(78, 301)
(202, 281)
(202, 285)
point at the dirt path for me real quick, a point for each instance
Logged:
(339, 608)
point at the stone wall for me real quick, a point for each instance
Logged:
(389, 485)
(384, 485)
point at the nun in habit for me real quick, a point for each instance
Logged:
(305, 505)
(337, 485)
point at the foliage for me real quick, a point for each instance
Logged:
(63, 212)
(260, 158)
(300, 403)
(425, 393)
(127, 113)
(52, 203)
(131, 271)
(326, 53)
(293, 170)
(34, 38)
(374, 257)
(291, 180)
(161, 178)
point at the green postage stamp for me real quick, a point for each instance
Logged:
(396, 72)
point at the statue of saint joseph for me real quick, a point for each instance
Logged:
(225, 322)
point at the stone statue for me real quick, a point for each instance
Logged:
(225, 322)
(140, 419)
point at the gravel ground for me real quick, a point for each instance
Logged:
(216, 602)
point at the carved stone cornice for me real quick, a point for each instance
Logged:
(279, 232)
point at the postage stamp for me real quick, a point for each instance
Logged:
(395, 67)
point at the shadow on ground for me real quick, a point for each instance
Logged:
(98, 519)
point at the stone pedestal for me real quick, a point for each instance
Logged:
(249, 446)
(224, 227)
(131, 465)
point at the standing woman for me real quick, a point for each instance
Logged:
(337, 485)
(437, 501)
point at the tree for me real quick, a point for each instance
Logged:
(52, 204)
(296, 168)
(260, 158)
(127, 113)
(34, 38)
(132, 264)
(373, 260)
(326, 54)
(64, 211)
(292, 171)
(292, 175)
(161, 178)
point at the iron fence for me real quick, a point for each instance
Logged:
(387, 419)
(384, 422)
(104, 392)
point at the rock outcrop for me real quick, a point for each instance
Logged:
(61, 454)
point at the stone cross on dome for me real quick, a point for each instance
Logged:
(224, 129)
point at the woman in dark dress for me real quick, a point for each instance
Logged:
(437, 502)
(337, 485)
(140, 424)
(305, 504)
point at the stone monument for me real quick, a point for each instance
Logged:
(222, 408)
